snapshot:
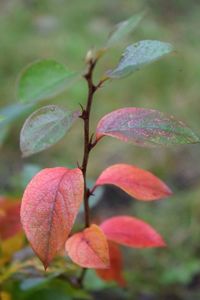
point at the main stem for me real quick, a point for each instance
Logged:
(88, 145)
(87, 139)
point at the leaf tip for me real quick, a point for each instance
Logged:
(161, 243)
(45, 264)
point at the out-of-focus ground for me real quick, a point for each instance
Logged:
(65, 30)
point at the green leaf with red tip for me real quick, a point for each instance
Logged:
(89, 248)
(136, 182)
(131, 232)
(145, 127)
(49, 207)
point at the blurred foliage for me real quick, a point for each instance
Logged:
(64, 30)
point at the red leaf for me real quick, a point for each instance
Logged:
(131, 232)
(145, 127)
(136, 182)
(89, 248)
(114, 273)
(49, 207)
(9, 218)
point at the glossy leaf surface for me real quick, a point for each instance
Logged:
(145, 127)
(136, 182)
(44, 128)
(89, 248)
(49, 207)
(44, 79)
(138, 55)
(131, 232)
(114, 273)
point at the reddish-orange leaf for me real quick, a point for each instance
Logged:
(49, 207)
(9, 218)
(131, 232)
(114, 273)
(89, 248)
(138, 183)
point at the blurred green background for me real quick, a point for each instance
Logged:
(65, 30)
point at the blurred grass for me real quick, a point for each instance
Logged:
(65, 30)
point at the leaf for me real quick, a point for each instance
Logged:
(51, 288)
(11, 113)
(123, 28)
(131, 232)
(2, 118)
(9, 218)
(136, 182)
(44, 79)
(94, 283)
(114, 273)
(45, 127)
(89, 248)
(138, 55)
(49, 207)
(9, 247)
(145, 127)
(5, 296)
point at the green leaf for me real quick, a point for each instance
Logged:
(44, 79)
(94, 283)
(1, 118)
(10, 114)
(123, 29)
(138, 55)
(57, 289)
(44, 128)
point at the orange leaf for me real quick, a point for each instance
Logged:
(136, 182)
(10, 246)
(5, 296)
(89, 248)
(114, 273)
(49, 207)
(131, 232)
(9, 218)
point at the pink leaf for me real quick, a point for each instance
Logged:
(49, 207)
(131, 232)
(89, 248)
(136, 182)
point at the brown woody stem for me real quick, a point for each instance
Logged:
(87, 140)
(88, 145)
